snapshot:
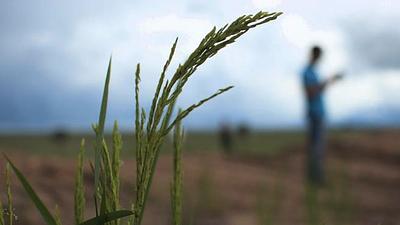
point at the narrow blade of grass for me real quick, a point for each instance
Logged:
(100, 129)
(108, 217)
(1, 213)
(44, 212)
(104, 102)
(9, 196)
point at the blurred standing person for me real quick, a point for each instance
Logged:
(226, 137)
(314, 89)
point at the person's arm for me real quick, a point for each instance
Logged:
(313, 90)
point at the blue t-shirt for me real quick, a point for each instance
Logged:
(315, 104)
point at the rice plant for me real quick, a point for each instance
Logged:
(7, 214)
(176, 186)
(79, 195)
(151, 130)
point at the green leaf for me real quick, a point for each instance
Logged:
(100, 130)
(44, 212)
(105, 218)
(103, 109)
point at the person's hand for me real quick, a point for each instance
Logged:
(336, 77)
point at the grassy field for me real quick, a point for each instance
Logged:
(258, 143)
(261, 183)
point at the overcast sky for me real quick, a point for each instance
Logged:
(54, 56)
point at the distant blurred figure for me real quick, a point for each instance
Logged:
(60, 136)
(314, 89)
(243, 130)
(226, 137)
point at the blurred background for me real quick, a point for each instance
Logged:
(245, 150)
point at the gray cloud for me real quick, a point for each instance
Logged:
(374, 42)
(53, 60)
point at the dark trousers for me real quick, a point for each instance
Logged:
(315, 151)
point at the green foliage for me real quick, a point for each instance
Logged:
(58, 216)
(107, 164)
(44, 212)
(150, 136)
(10, 209)
(148, 144)
(99, 131)
(108, 217)
(79, 195)
(116, 162)
(176, 186)
(1, 214)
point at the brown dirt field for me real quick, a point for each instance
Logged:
(363, 186)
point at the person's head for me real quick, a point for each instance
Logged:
(315, 54)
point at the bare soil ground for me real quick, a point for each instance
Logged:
(363, 186)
